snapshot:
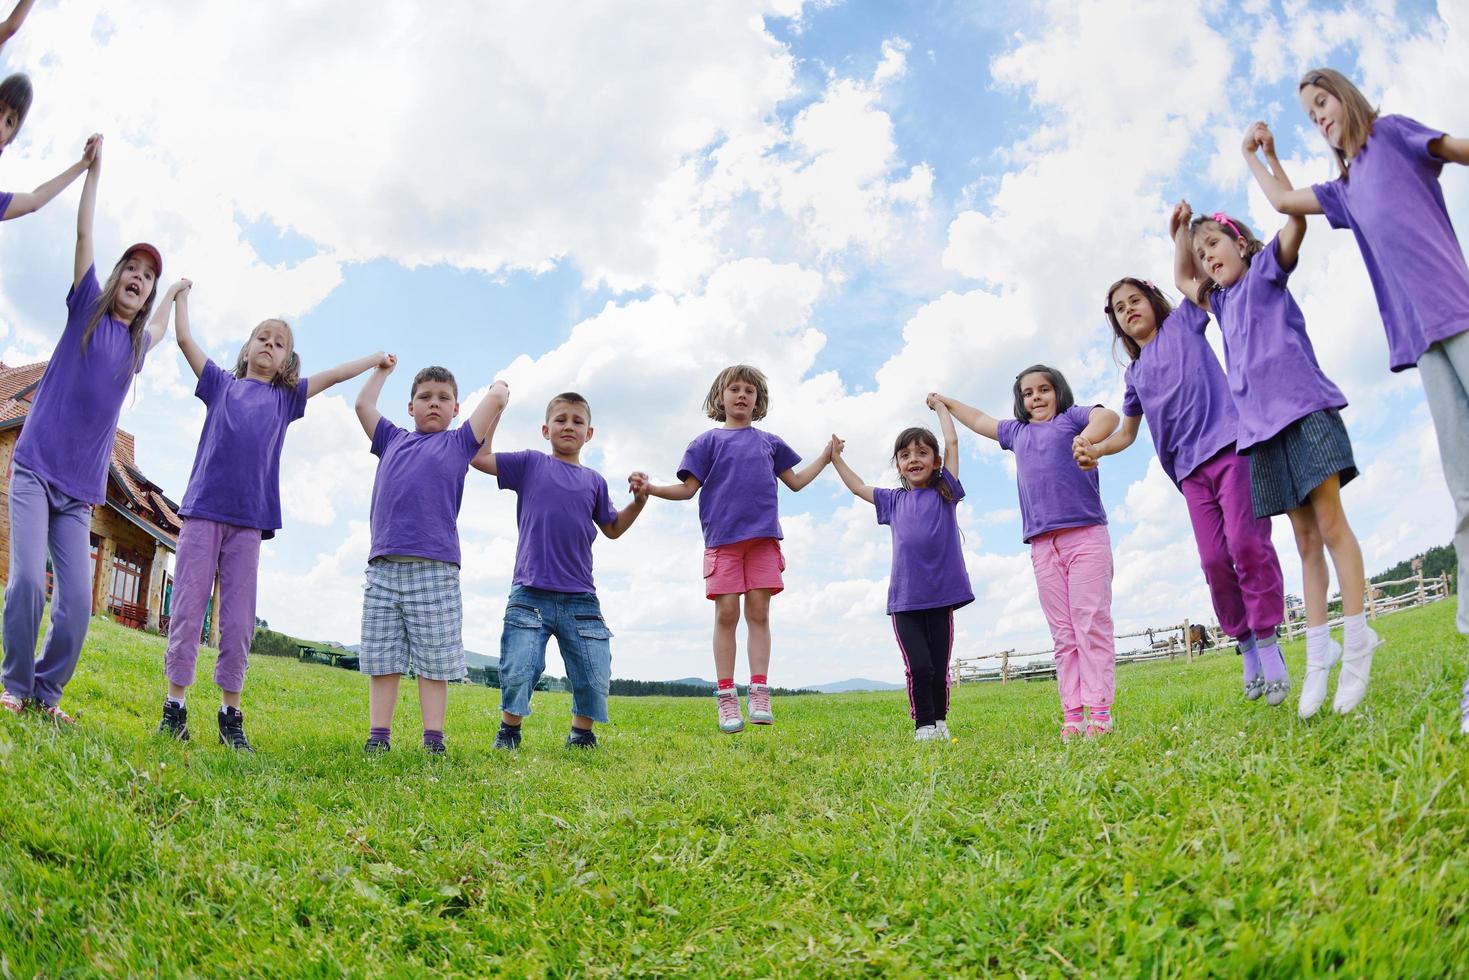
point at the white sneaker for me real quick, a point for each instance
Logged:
(1318, 673)
(928, 733)
(758, 701)
(730, 719)
(943, 729)
(1356, 668)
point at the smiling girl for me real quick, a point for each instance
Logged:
(1064, 523)
(232, 502)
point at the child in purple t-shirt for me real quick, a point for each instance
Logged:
(412, 610)
(61, 459)
(1174, 377)
(560, 504)
(928, 580)
(1063, 521)
(737, 467)
(1290, 424)
(1388, 194)
(232, 502)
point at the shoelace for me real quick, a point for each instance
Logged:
(729, 707)
(760, 700)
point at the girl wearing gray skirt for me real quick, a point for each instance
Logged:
(1290, 424)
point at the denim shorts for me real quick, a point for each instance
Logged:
(533, 616)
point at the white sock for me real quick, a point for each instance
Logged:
(1316, 639)
(177, 701)
(1354, 630)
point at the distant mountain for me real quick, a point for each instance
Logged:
(855, 684)
(692, 682)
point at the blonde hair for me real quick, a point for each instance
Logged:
(288, 376)
(1360, 115)
(137, 328)
(714, 401)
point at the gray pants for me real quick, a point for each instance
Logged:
(1445, 370)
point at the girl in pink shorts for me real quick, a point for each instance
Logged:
(1065, 525)
(737, 466)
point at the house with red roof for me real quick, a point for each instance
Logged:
(132, 535)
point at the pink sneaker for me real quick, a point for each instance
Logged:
(730, 719)
(54, 713)
(1099, 723)
(759, 704)
(1073, 723)
(12, 704)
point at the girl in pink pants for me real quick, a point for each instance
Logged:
(1066, 527)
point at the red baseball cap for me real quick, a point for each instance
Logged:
(149, 251)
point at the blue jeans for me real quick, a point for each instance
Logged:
(532, 616)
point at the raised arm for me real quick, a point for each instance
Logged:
(367, 412)
(87, 209)
(951, 438)
(1185, 270)
(484, 460)
(11, 24)
(798, 479)
(854, 482)
(972, 418)
(630, 513)
(346, 371)
(1087, 453)
(1271, 176)
(1450, 149)
(158, 323)
(26, 203)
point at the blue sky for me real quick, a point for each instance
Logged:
(867, 200)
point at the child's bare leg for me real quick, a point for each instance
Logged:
(382, 698)
(757, 623)
(511, 720)
(433, 702)
(1314, 575)
(726, 618)
(1346, 553)
(582, 722)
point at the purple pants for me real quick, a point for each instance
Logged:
(1239, 560)
(207, 547)
(1073, 573)
(42, 520)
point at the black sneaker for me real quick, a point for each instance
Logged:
(375, 745)
(507, 738)
(581, 738)
(175, 723)
(232, 730)
(434, 748)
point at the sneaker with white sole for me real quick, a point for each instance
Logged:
(928, 733)
(1356, 671)
(1318, 673)
(53, 712)
(730, 718)
(943, 729)
(13, 704)
(758, 703)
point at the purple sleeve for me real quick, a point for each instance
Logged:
(467, 441)
(1081, 415)
(5, 198)
(510, 469)
(297, 403)
(1132, 405)
(603, 511)
(1008, 430)
(882, 499)
(83, 295)
(384, 436)
(1266, 264)
(1332, 196)
(212, 380)
(1414, 138)
(785, 456)
(955, 487)
(1191, 315)
(695, 462)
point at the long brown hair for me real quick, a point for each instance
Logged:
(137, 329)
(1161, 309)
(1360, 114)
(714, 401)
(1235, 229)
(289, 376)
(925, 437)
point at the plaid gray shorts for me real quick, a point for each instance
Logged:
(1285, 468)
(412, 620)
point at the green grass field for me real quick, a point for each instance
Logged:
(1206, 836)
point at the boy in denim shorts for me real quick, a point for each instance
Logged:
(560, 506)
(411, 610)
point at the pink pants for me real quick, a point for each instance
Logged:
(1073, 573)
(207, 547)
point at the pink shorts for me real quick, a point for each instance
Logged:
(743, 565)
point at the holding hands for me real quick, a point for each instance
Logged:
(637, 485)
(386, 362)
(1258, 137)
(1084, 452)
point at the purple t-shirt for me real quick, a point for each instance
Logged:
(928, 560)
(558, 507)
(5, 199)
(237, 467)
(1394, 205)
(67, 437)
(736, 469)
(1273, 374)
(418, 489)
(1055, 493)
(1178, 383)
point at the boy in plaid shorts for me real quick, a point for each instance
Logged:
(560, 505)
(411, 611)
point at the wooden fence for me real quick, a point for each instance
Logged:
(1170, 641)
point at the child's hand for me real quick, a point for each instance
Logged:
(92, 152)
(835, 447)
(637, 485)
(181, 288)
(499, 394)
(935, 401)
(1084, 452)
(386, 363)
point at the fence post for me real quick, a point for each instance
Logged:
(1188, 641)
(1004, 666)
(1371, 602)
